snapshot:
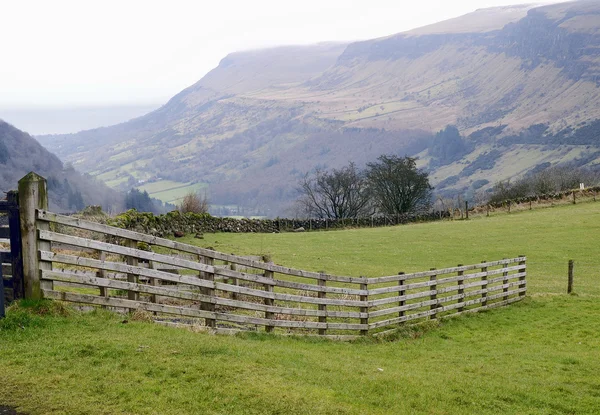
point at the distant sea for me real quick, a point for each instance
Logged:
(39, 121)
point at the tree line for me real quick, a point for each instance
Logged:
(391, 185)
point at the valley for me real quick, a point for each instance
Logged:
(262, 119)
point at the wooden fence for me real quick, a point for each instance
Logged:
(90, 263)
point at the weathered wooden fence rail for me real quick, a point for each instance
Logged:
(95, 264)
(75, 260)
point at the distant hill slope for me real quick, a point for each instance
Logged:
(68, 190)
(261, 119)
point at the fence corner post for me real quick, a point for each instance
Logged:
(32, 195)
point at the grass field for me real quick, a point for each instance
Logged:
(549, 237)
(170, 191)
(540, 356)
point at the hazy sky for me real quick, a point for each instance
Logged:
(95, 52)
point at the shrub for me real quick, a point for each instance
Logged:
(194, 203)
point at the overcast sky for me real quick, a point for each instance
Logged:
(97, 52)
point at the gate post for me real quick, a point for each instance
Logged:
(32, 195)
(14, 224)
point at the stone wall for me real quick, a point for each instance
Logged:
(175, 222)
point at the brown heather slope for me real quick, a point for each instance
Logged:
(262, 118)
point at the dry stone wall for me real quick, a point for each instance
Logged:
(175, 223)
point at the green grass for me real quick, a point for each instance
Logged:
(539, 356)
(170, 191)
(549, 237)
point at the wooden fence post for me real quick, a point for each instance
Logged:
(153, 282)
(401, 293)
(209, 322)
(461, 289)
(364, 287)
(234, 281)
(322, 307)
(570, 282)
(467, 209)
(484, 286)
(32, 195)
(505, 282)
(133, 261)
(432, 297)
(102, 274)
(269, 301)
(522, 279)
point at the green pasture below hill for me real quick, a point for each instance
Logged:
(549, 237)
(169, 191)
(539, 356)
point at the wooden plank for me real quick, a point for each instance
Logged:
(132, 261)
(207, 291)
(192, 265)
(171, 291)
(166, 243)
(505, 279)
(523, 271)
(269, 302)
(394, 278)
(484, 285)
(461, 289)
(433, 297)
(121, 250)
(442, 281)
(389, 300)
(401, 293)
(460, 297)
(119, 267)
(323, 307)
(189, 312)
(102, 274)
(365, 299)
(261, 279)
(44, 265)
(427, 313)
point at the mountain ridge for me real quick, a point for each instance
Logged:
(251, 126)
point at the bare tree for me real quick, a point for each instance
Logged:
(397, 186)
(194, 203)
(336, 194)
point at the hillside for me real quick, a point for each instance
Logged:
(519, 82)
(67, 189)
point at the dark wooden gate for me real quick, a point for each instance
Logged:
(11, 259)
